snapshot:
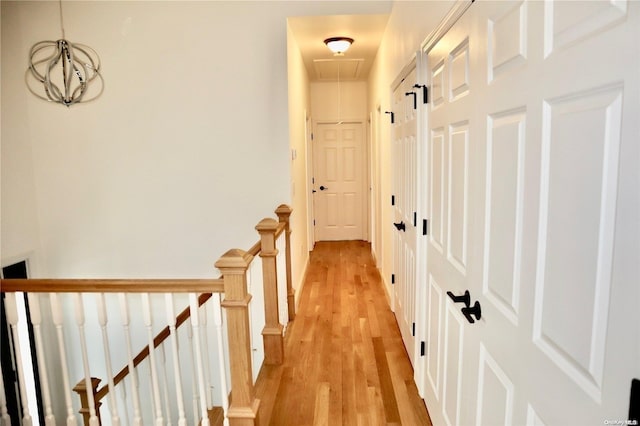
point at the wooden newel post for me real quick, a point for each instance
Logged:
(272, 331)
(284, 214)
(243, 409)
(81, 390)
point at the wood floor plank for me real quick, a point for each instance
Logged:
(345, 363)
(321, 411)
(386, 384)
(419, 409)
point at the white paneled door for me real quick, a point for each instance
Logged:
(404, 143)
(533, 189)
(340, 202)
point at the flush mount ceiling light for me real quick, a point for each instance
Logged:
(338, 45)
(61, 71)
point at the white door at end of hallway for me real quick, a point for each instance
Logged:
(339, 182)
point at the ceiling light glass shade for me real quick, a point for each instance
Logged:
(338, 45)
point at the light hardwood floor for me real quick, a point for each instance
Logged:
(345, 363)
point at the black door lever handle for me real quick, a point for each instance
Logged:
(474, 310)
(322, 187)
(400, 226)
(465, 298)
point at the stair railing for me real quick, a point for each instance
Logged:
(241, 408)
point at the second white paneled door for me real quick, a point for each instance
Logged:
(404, 143)
(534, 206)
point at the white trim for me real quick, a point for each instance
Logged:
(413, 63)
(297, 291)
(456, 11)
(308, 158)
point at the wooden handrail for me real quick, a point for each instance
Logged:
(280, 229)
(255, 249)
(112, 286)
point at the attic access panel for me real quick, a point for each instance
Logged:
(338, 69)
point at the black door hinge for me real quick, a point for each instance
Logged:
(393, 278)
(425, 229)
(393, 200)
(415, 101)
(415, 219)
(311, 135)
(413, 329)
(423, 348)
(425, 92)
(393, 116)
(314, 222)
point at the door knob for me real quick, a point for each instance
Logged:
(474, 310)
(322, 187)
(465, 298)
(400, 226)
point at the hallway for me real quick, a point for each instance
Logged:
(344, 358)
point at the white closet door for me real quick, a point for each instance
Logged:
(534, 200)
(405, 184)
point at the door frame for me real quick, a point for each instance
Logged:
(308, 134)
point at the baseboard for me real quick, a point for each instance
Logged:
(298, 290)
(386, 287)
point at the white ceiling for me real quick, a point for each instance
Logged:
(311, 31)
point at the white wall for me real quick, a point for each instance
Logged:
(162, 173)
(409, 25)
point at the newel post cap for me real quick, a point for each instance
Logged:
(234, 259)
(267, 225)
(283, 210)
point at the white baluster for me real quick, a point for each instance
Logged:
(165, 384)
(36, 320)
(103, 320)
(195, 323)
(79, 304)
(125, 405)
(56, 313)
(124, 314)
(217, 321)
(148, 322)
(195, 403)
(205, 344)
(153, 400)
(5, 420)
(171, 322)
